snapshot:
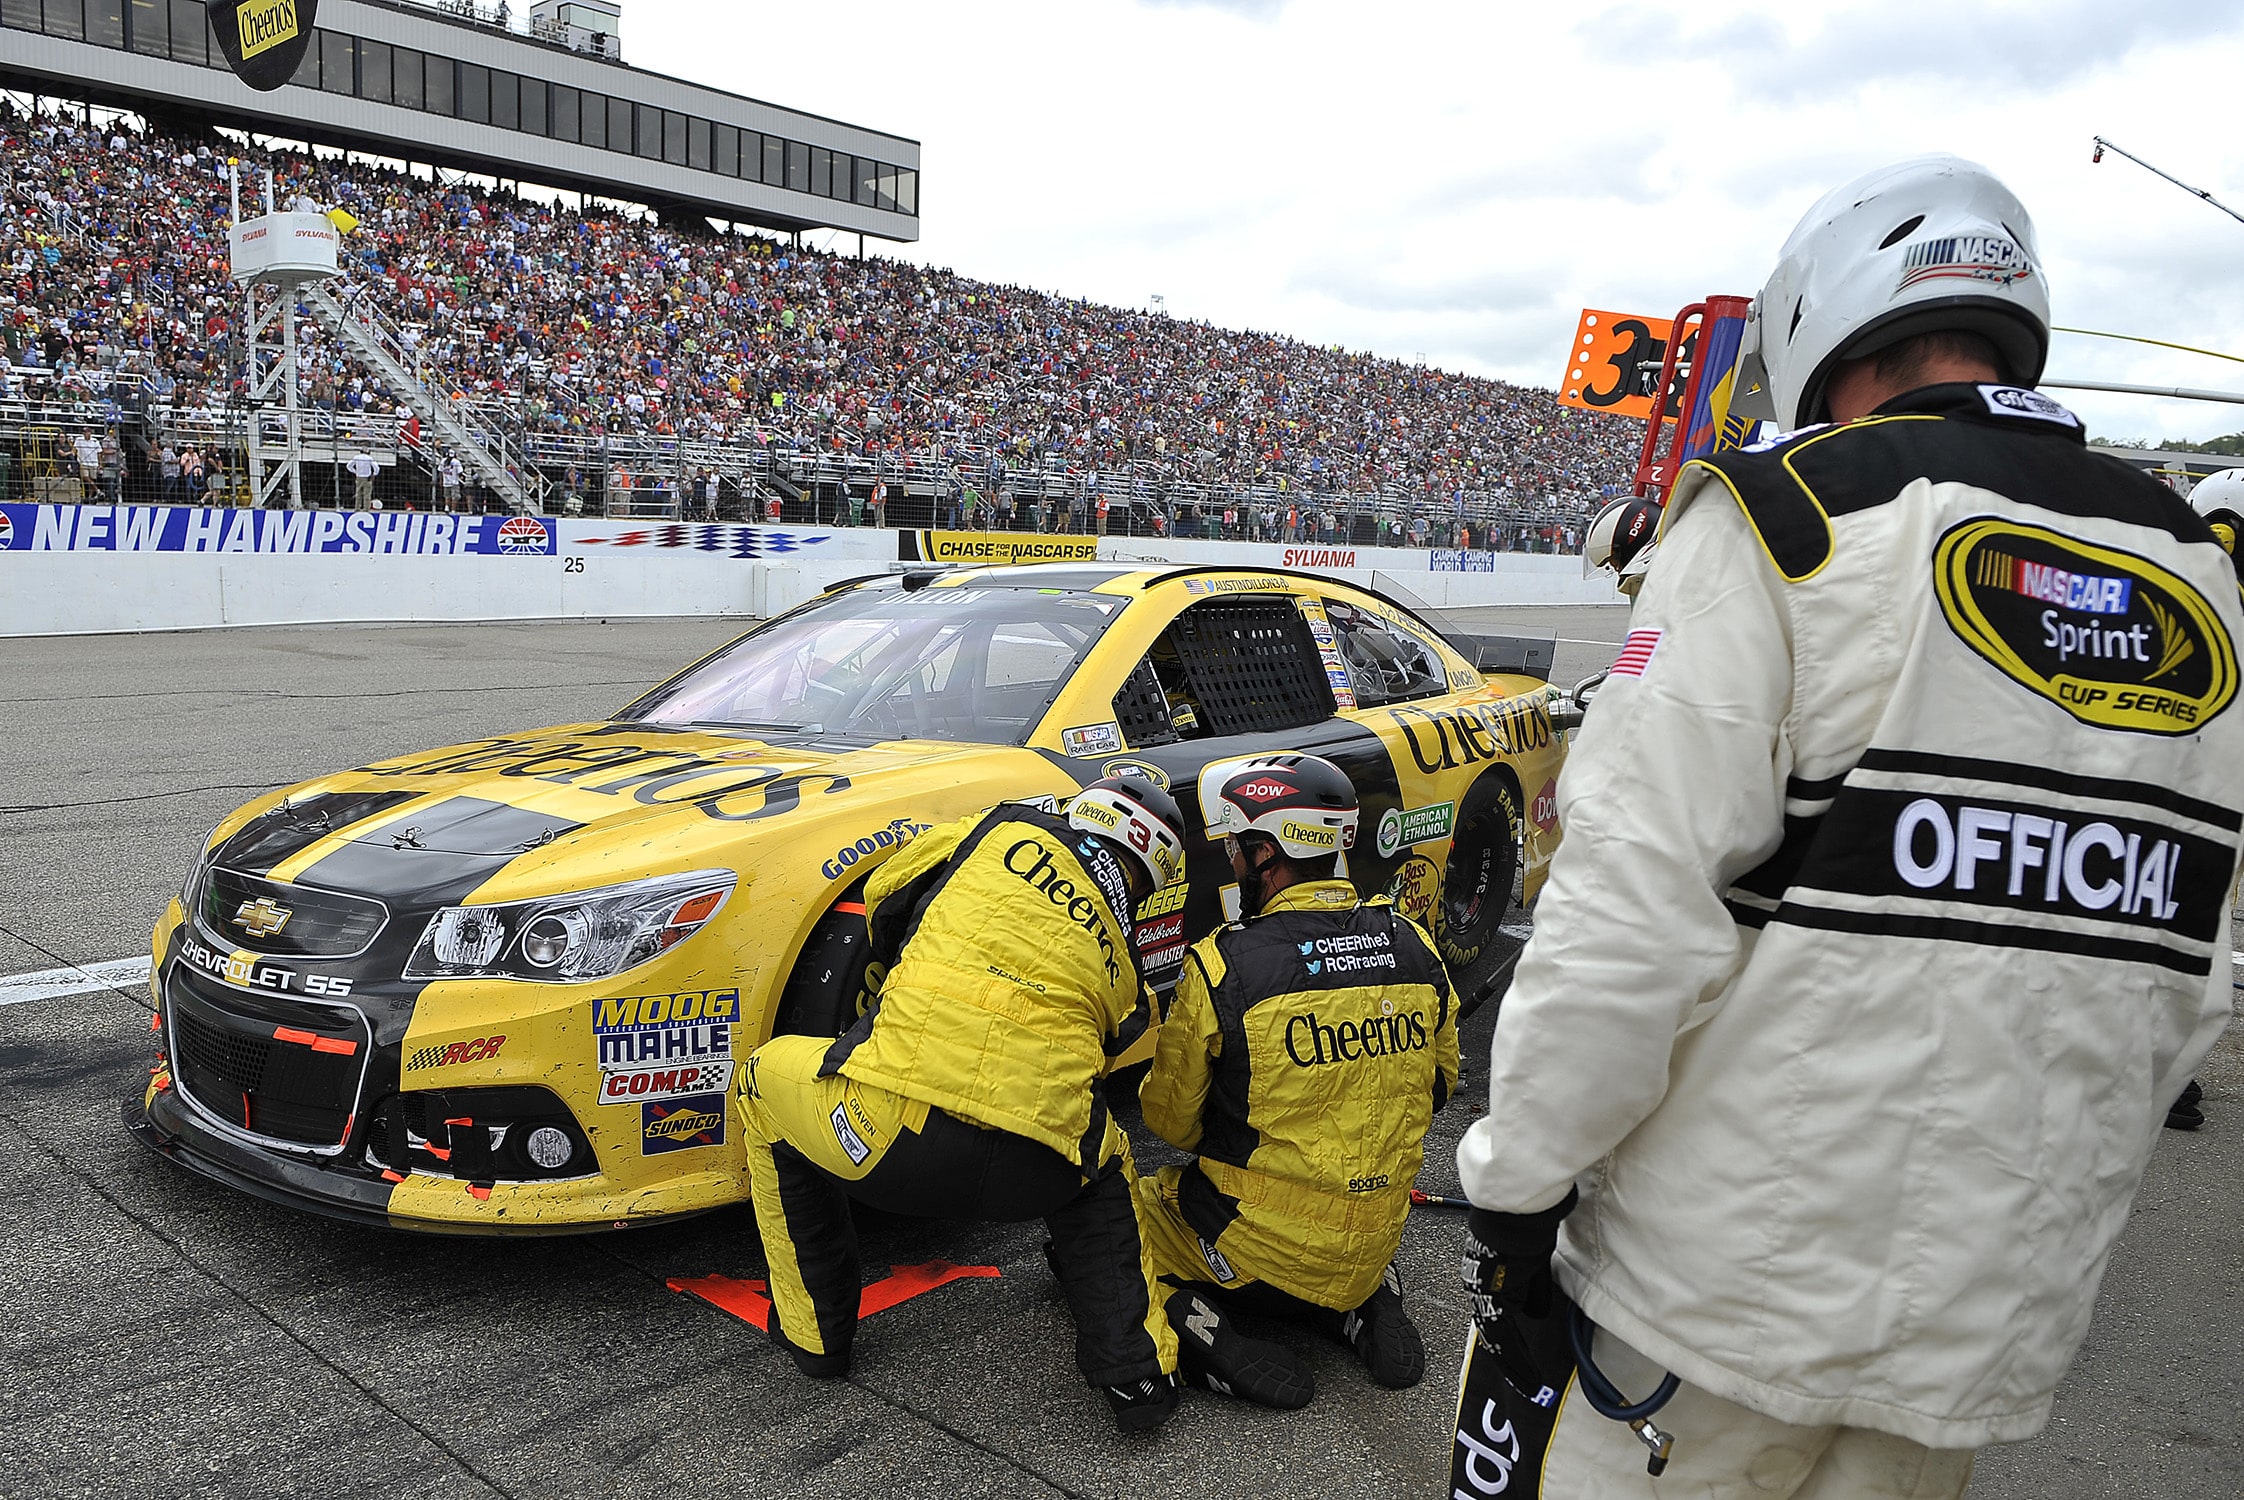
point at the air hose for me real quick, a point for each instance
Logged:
(1606, 1400)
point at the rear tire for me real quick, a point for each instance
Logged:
(1476, 886)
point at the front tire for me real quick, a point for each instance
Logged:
(1476, 887)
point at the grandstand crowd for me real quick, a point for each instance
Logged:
(593, 324)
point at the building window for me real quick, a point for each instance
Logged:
(506, 101)
(907, 191)
(190, 33)
(151, 27)
(306, 75)
(868, 176)
(619, 125)
(821, 171)
(775, 160)
(594, 131)
(405, 77)
(673, 137)
(726, 157)
(437, 96)
(564, 112)
(533, 105)
(22, 14)
(649, 141)
(338, 63)
(105, 22)
(475, 93)
(798, 167)
(374, 71)
(884, 189)
(66, 19)
(697, 145)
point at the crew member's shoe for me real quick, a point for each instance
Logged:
(816, 1366)
(1384, 1338)
(1142, 1405)
(1213, 1355)
(2183, 1113)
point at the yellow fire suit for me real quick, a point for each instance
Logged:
(972, 1088)
(1303, 1058)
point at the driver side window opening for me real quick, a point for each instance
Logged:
(1241, 665)
(1386, 663)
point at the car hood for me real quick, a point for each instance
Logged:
(504, 816)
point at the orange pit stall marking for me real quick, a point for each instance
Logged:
(749, 1302)
(1611, 355)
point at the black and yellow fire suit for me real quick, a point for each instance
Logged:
(971, 1089)
(1303, 1058)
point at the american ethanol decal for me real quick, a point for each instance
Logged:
(2113, 639)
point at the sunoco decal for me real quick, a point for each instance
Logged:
(2113, 639)
(197, 528)
(681, 1124)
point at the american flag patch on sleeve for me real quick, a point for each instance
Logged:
(1636, 653)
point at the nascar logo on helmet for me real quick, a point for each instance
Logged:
(1139, 816)
(1304, 803)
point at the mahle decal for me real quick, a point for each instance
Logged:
(2113, 639)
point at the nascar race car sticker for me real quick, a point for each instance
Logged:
(1091, 739)
(1328, 651)
(899, 831)
(660, 1047)
(2113, 639)
(1400, 828)
(681, 1124)
(199, 528)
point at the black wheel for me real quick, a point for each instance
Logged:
(832, 982)
(1476, 886)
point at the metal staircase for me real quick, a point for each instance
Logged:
(467, 431)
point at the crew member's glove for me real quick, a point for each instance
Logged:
(1507, 1270)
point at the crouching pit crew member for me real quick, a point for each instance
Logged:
(971, 1089)
(1926, 769)
(1303, 1057)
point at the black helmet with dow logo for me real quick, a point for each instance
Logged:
(1305, 803)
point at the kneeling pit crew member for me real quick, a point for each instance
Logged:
(1303, 1057)
(971, 1089)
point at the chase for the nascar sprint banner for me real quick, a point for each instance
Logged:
(196, 528)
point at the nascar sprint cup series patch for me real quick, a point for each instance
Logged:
(2113, 639)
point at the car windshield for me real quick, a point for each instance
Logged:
(974, 664)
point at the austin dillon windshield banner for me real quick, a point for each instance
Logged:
(194, 528)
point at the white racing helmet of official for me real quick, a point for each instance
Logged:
(1137, 816)
(1621, 538)
(1304, 803)
(1931, 244)
(2219, 498)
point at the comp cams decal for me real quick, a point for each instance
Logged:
(2113, 639)
(655, 1047)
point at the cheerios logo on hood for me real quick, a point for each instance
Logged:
(2113, 639)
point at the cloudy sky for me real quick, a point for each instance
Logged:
(1458, 180)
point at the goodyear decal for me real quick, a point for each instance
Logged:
(900, 831)
(2113, 639)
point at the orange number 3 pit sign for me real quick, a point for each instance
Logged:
(1616, 361)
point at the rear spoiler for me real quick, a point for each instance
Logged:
(1521, 655)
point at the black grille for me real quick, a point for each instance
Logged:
(277, 1068)
(318, 923)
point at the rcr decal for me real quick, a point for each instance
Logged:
(1442, 739)
(451, 1053)
(901, 831)
(244, 972)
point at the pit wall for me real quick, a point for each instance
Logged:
(85, 569)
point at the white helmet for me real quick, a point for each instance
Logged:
(1622, 537)
(1139, 817)
(1931, 243)
(2219, 498)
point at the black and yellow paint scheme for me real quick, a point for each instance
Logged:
(386, 994)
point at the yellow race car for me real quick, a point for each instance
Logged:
(503, 987)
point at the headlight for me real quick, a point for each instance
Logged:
(581, 935)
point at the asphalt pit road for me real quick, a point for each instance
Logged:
(811, 1457)
(110, 1066)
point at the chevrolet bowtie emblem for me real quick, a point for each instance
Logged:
(262, 917)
